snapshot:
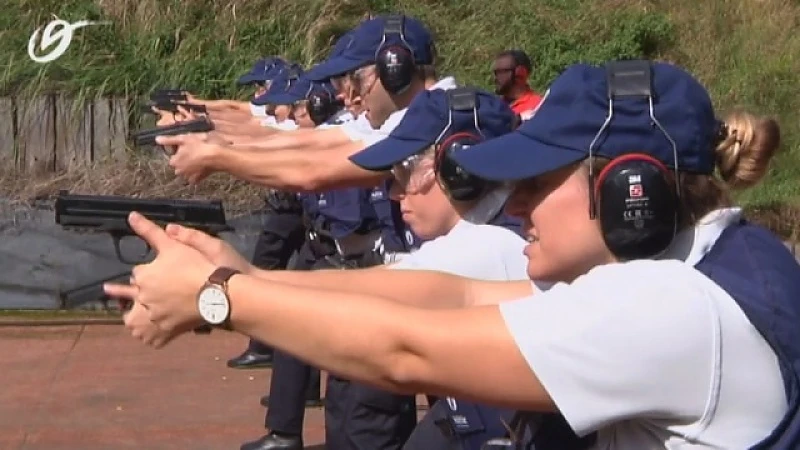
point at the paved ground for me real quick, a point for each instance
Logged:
(95, 388)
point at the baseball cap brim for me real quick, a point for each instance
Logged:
(338, 65)
(248, 78)
(387, 152)
(513, 157)
(261, 100)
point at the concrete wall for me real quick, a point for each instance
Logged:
(38, 258)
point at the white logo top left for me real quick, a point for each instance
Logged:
(58, 31)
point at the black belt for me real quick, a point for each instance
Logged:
(282, 201)
(370, 258)
(321, 245)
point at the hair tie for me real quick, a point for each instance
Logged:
(722, 131)
(737, 145)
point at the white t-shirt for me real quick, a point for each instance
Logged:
(350, 125)
(258, 111)
(652, 354)
(286, 125)
(371, 136)
(485, 252)
(268, 121)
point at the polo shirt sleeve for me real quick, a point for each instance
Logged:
(624, 340)
(360, 130)
(483, 252)
(286, 125)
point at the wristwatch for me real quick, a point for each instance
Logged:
(213, 302)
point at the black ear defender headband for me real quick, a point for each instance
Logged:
(454, 181)
(292, 75)
(395, 63)
(636, 197)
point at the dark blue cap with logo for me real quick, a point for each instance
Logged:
(573, 111)
(426, 123)
(281, 84)
(338, 48)
(299, 90)
(368, 38)
(263, 70)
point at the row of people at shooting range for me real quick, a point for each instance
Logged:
(635, 307)
(346, 228)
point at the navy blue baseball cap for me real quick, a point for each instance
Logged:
(426, 123)
(338, 48)
(263, 70)
(299, 90)
(573, 111)
(369, 37)
(281, 84)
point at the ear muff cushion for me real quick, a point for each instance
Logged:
(457, 183)
(396, 67)
(521, 73)
(637, 206)
(320, 108)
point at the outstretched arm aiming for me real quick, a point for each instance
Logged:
(426, 289)
(298, 169)
(360, 337)
(391, 346)
(308, 161)
(221, 105)
(243, 130)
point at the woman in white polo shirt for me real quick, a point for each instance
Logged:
(671, 322)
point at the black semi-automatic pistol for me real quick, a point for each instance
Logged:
(108, 213)
(148, 137)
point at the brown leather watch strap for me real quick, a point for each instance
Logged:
(222, 275)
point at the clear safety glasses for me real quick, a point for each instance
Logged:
(414, 173)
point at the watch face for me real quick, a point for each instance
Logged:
(213, 305)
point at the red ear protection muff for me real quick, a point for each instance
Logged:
(637, 206)
(395, 62)
(636, 197)
(521, 74)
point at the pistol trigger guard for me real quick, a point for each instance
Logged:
(147, 252)
(117, 239)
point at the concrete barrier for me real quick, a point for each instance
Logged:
(38, 258)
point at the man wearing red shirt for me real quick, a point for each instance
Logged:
(511, 71)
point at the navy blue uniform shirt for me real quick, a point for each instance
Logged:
(343, 212)
(397, 235)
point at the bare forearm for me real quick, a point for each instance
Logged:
(245, 135)
(418, 288)
(298, 169)
(241, 126)
(270, 138)
(312, 330)
(394, 347)
(225, 105)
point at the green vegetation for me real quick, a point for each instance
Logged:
(746, 51)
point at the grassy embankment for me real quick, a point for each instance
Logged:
(746, 51)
